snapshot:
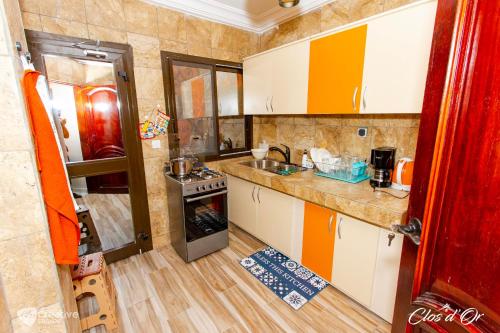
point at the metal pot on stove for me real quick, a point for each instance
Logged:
(182, 166)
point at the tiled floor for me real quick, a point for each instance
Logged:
(158, 292)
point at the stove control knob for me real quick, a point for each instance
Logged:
(223, 183)
(203, 187)
(198, 188)
(216, 184)
(210, 186)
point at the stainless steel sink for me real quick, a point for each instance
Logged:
(261, 164)
(276, 167)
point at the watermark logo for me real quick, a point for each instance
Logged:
(29, 316)
(466, 316)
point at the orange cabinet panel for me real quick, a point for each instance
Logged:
(318, 239)
(336, 72)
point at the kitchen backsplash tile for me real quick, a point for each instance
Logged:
(338, 133)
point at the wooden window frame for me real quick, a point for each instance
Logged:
(167, 59)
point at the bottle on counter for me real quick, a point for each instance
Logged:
(306, 161)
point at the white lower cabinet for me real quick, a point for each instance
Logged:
(385, 282)
(242, 207)
(365, 263)
(279, 221)
(273, 217)
(355, 255)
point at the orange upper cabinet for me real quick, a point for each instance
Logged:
(318, 239)
(336, 72)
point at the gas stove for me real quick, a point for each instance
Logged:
(200, 181)
(197, 207)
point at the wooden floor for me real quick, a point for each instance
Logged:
(112, 217)
(158, 292)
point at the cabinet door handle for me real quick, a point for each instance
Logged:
(253, 194)
(330, 224)
(267, 101)
(364, 98)
(258, 194)
(354, 99)
(272, 109)
(339, 232)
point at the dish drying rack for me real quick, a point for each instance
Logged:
(347, 169)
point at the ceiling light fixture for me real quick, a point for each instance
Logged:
(288, 3)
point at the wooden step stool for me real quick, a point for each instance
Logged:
(92, 277)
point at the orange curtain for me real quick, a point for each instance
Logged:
(63, 222)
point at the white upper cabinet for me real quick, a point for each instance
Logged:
(393, 68)
(257, 84)
(275, 82)
(290, 77)
(396, 60)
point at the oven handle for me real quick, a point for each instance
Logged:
(206, 196)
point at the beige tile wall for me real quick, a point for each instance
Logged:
(27, 269)
(148, 29)
(332, 15)
(339, 133)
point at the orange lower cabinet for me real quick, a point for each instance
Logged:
(318, 239)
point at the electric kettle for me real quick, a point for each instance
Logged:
(403, 174)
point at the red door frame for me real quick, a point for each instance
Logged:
(459, 24)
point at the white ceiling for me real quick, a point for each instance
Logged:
(253, 15)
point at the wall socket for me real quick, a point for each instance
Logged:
(155, 144)
(363, 132)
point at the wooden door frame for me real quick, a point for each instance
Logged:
(120, 55)
(452, 55)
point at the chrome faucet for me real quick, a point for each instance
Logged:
(286, 153)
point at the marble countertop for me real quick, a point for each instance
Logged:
(356, 200)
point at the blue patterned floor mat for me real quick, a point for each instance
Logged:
(290, 281)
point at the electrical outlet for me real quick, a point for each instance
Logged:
(155, 144)
(363, 132)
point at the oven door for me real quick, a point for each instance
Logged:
(205, 214)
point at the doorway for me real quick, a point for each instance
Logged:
(95, 112)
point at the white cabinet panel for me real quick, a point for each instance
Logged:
(355, 254)
(257, 84)
(385, 282)
(242, 209)
(276, 220)
(290, 79)
(275, 82)
(396, 60)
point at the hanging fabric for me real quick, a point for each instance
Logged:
(63, 222)
(42, 88)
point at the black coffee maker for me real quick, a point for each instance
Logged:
(382, 161)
